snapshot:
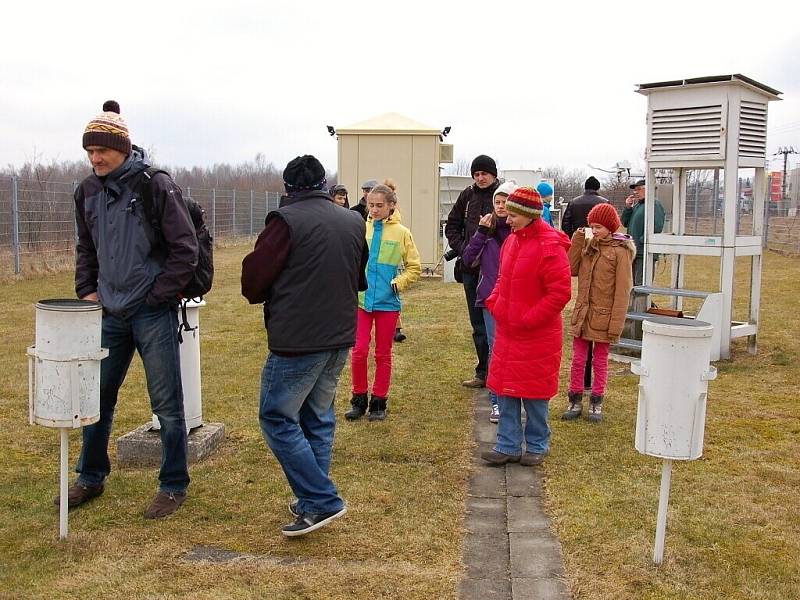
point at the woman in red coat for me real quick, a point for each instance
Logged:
(531, 291)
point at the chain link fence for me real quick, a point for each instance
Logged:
(38, 234)
(37, 220)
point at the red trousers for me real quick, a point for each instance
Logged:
(384, 322)
(580, 350)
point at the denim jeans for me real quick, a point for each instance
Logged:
(478, 326)
(488, 320)
(298, 422)
(153, 332)
(509, 429)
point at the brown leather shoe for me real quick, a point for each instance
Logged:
(78, 493)
(531, 459)
(475, 382)
(165, 503)
(493, 457)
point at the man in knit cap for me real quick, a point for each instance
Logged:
(578, 208)
(462, 222)
(307, 269)
(139, 289)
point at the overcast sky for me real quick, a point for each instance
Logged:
(530, 84)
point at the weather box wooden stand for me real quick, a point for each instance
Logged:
(718, 126)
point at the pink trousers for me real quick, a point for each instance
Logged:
(580, 350)
(384, 322)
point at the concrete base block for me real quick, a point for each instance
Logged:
(142, 446)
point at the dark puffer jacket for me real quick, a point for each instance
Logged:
(577, 211)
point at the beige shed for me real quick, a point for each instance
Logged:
(396, 147)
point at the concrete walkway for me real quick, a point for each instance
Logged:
(509, 551)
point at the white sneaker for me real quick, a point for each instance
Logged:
(494, 416)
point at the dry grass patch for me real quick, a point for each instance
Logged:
(733, 528)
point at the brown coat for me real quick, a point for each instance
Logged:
(605, 280)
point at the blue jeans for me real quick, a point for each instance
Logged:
(488, 320)
(478, 326)
(298, 422)
(153, 332)
(509, 429)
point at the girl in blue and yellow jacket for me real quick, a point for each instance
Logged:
(391, 246)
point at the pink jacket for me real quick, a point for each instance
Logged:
(532, 289)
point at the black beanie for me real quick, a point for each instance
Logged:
(483, 163)
(591, 184)
(304, 173)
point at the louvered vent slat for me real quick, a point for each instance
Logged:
(752, 129)
(689, 130)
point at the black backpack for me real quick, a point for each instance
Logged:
(203, 276)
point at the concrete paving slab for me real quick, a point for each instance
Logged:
(551, 588)
(486, 555)
(485, 515)
(485, 589)
(535, 555)
(523, 481)
(489, 483)
(525, 514)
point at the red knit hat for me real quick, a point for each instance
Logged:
(525, 201)
(606, 215)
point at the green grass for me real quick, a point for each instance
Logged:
(733, 528)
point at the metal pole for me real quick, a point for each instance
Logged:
(214, 212)
(15, 222)
(663, 502)
(251, 213)
(75, 220)
(233, 215)
(63, 499)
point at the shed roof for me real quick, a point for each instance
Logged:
(646, 88)
(389, 123)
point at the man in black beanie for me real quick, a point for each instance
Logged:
(462, 222)
(307, 269)
(578, 209)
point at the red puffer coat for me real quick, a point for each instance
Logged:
(531, 291)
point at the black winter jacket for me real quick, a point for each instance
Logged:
(578, 210)
(462, 222)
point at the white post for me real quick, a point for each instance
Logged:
(663, 502)
(64, 500)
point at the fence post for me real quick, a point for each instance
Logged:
(251, 213)
(233, 215)
(74, 220)
(188, 191)
(15, 222)
(214, 212)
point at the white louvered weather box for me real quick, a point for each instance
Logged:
(705, 137)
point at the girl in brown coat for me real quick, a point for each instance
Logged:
(602, 261)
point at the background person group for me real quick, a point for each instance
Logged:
(600, 257)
